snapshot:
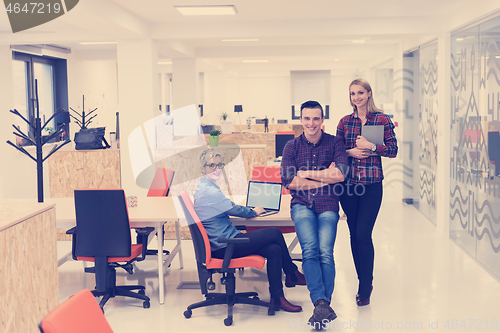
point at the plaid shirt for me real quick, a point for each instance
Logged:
(369, 170)
(299, 154)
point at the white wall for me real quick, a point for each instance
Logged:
(260, 96)
(93, 74)
(264, 94)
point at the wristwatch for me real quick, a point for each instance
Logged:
(374, 148)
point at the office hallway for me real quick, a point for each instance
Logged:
(423, 282)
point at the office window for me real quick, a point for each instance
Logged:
(51, 77)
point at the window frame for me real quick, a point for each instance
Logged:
(59, 88)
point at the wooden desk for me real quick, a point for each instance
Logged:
(150, 212)
(280, 219)
(29, 281)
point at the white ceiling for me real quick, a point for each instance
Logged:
(293, 34)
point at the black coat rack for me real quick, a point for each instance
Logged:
(83, 123)
(38, 141)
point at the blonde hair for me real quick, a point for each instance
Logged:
(208, 155)
(370, 105)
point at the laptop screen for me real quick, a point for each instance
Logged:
(264, 194)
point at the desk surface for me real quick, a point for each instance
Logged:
(148, 210)
(16, 211)
(282, 218)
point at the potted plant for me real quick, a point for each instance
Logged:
(225, 125)
(213, 138)
(223, 116)
(49, 130)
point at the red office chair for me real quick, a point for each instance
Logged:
(78, 314)
(285, 132)
(160, 187)
(270, 174)
(102, 235)
(208, 265)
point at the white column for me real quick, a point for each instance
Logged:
(137, 99)
(443, 138)
(184, 83)
(398, 106)
(6, 104)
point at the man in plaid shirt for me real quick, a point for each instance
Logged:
(311, 166)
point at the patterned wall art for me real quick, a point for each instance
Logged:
(427, 131)
(475, 161)
(407, 84)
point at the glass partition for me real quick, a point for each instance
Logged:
(475, 142)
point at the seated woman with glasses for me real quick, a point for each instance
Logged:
(214, 208)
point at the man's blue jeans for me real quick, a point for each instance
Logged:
(317, 234)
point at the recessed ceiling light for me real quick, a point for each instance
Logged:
(336, 59)
(359, 41)
(164, 63)
(96, 43)
(241, 40)
(460, 39)
(255, 60)
(207, 10)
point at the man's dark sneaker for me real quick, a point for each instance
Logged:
(322, 311)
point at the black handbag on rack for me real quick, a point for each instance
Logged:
(91, 138)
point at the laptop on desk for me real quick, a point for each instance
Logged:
(264, 194)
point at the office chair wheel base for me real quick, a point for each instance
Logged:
(188, 313)
(141, 292)
(228, 321)
(271, 311)
(146, 305)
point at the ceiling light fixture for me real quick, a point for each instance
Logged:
(240, 40)
(164, 63)
(459, 39)
(207, 10)
(358, 41)
(255, 60)
(96, 43)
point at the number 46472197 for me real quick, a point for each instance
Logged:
(33, 8)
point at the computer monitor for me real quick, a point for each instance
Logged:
(494, 150)
(207, 128)
(238, 108)
(280, 142)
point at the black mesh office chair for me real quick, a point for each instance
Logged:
(102, 235)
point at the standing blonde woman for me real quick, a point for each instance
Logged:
(362, 193)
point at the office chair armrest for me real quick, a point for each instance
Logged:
(145, 231)
(143, 235)
(73, 234)
(228, 255)
(233, 240)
